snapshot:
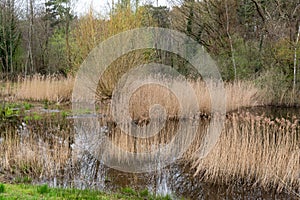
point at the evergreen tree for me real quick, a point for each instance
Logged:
(58, 12)
(9, 36)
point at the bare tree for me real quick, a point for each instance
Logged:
(295, 58)
(230, 39)
(29, 64)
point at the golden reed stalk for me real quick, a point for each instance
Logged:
(39, 88)
(254, 149)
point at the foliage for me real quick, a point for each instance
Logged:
(57, 52)
(9, 112)
(276, 86)
(58, 11)
(247, 57)
(251, 27)
(156, 16)
(91, 30)
(10, 36)
(27, 105)
(247, 38)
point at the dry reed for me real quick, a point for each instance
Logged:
(255, 149)
(252, 150)
(39, 150)
(238, 95)
(39, 88)
(58, 89)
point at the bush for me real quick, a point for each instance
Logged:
(276, 85)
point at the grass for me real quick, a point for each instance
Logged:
(23, 179)
(2, 188)
(24, 191)
(43, 189)
(128, 190)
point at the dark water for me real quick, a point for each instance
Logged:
(176, 179)
(274, 112)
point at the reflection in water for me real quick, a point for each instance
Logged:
(275, 112)
(177, 179)
(81, 169)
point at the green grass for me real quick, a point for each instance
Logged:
(24, 191)
(27, 105)
(2, 188)
(43, 189)
(128, 191)
(23, 179)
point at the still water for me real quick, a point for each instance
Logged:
(176, 179)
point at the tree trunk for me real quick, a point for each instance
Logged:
(230, 40)
(11, 20)
(30, 38)
(67, 42)
(295, 58)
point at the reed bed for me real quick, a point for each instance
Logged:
(58, 89)
(39, 150)
(238, 95)
(252, 150)
(39, 88)
(255, 150)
